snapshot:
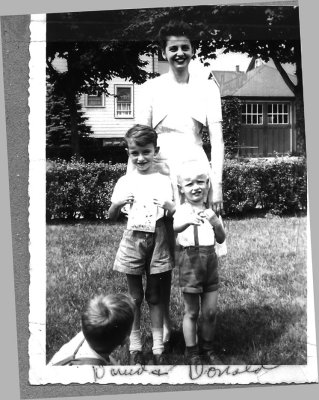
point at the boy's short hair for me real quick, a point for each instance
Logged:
(175, 28)
(142, 135)
(107, 321)
(193, 165)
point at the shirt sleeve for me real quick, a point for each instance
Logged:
(119, 189)
(167, 187)
(144, 111)
(179, 215)
(214, 118)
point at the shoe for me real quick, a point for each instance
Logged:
(211, 358)
(137, 357)
(193, 359)
(160, 359)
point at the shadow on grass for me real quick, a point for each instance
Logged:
(252, 336)
(261, 335)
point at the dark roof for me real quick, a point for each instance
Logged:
(263, 81)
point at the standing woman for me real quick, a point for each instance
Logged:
(178, 105)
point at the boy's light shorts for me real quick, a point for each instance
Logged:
(141, 252)
(198, 269)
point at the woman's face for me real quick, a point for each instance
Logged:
(178, 52)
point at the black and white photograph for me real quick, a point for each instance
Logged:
(168, 197)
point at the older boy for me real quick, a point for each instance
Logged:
(144, 248)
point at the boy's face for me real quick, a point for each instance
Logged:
(142, 156)
(194, 186)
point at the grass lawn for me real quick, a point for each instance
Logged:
(262, 300)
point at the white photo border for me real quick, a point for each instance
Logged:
(39, 372)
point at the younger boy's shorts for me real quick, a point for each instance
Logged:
(198, 269)
(141, 252)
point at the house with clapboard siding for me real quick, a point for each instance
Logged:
(268, 115)
(112, 115)
(267, 108)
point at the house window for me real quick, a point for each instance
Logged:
(277, 113)
(252, 114)
(94, 100)
(124, 107)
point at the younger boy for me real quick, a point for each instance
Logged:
(144, 248)
(198, 227)
(106, 323)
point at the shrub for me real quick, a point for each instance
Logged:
(83, 190)
(231, 123)
(80, 190)
(276, 185)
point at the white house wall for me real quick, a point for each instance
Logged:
(102, 119)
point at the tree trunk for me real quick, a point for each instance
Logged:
(300, 117)
(298, 92)
(75, 142)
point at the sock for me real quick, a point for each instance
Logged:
(135, 341)
(158, 345)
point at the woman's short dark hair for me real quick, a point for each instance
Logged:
(142, 135)
(175, 28)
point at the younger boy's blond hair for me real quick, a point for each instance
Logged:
(192, 166)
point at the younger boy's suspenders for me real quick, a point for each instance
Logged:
(72, 360)
(196, 241)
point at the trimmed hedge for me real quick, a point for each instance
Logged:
(80, 190)
(277, 185)
(83, 190)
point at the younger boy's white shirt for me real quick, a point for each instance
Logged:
(206, 235)
(144, 188)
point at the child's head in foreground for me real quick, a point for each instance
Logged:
(193, 181)
(141, 141)
(107, 321)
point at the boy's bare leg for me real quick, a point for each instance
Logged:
(166, 281)
(208, 326)
(191, 312)
(135, 288)
(209, 311)
(154, 300)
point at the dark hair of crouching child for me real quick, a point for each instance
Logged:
(106, 323)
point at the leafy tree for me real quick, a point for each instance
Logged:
(265, 32)
(100, 45)
(90, 62)
(231, 123)
(58, 122)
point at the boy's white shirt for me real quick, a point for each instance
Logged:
(144, 188)
(206, 234)
(69, 348)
